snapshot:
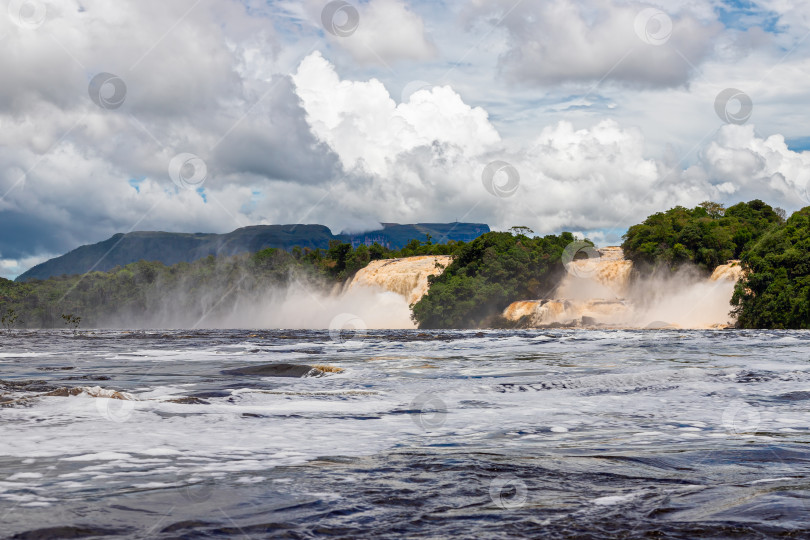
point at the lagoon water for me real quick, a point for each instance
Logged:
(541, 433)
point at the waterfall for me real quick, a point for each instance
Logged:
(407, 277)
(731, 271)
(604, 277)
(598, 292)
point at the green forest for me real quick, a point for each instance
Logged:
(490, 273)
(705, 236)
(775, 293)
(485, 276)
(206, 287)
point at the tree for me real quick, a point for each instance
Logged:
(775, 289)
(339, 253)
(705, 236)
(487, 275)
(715, 210)
(376, 251)
(9, 319)
(73, 321)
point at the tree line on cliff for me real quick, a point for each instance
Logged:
(197, 291)
(705, 236)
(774, 292)
(486, 275)
(490, 273)
(497, 269)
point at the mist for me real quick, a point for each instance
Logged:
(605, 291)
(300, 304)
(685, 300)
(602, 291)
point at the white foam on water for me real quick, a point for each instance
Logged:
(99, 456)
(616, 499)
(573, 390)
(23, 476)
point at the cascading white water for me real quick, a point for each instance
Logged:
(407, 276)
(595, 292)
(731, 271)
(598, 291)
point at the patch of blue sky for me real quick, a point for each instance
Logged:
(136, 183)
(288, 19)
(503, 112)
(606, 236)
(798, 144)
(742, 15)
(250, 205)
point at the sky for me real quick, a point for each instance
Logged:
(209, 115)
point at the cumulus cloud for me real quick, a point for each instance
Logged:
(423, 159)
(289, 135)
(586, 179)
(272, 139)
(598, 40)
(73, 172)
(746, 166)
(367, 129)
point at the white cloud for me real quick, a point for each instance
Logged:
(367, 129)
(423, 160)
(11, 268)
(757, 167)
(387, 32)
(792, 19)
(597, 177)
(289, 137)
(596, 40)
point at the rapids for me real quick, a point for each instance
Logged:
(549, 433)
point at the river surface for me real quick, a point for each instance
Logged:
(496, 434)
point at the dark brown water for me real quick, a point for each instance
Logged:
(558, 434)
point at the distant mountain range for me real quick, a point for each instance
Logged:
(172, 248)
